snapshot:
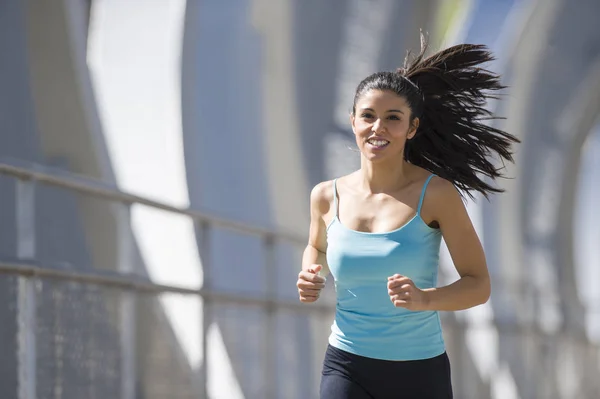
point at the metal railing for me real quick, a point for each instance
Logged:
(29, 272)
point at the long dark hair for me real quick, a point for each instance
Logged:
(448, 92)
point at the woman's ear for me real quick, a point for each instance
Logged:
(352, 122)
(412, 130)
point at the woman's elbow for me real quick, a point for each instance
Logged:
(485, 290)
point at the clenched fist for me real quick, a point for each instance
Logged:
(310, 284)
(405, 294)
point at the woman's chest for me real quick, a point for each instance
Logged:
(356, 257)
(376, 215)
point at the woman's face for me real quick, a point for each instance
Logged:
(381, 124)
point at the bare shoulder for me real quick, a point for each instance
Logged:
(442, 189)
(441, 197)
(321, 197)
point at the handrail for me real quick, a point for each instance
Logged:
(143, 284)
(125, 281)
(83, 184)
(25, 170)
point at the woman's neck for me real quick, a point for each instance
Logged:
(384, 176)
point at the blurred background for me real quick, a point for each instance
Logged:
(156, 160)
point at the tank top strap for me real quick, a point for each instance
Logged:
(423, 193)
(335, 197)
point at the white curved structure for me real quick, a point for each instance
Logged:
(238, 108)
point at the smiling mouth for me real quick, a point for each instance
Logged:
(378, 143)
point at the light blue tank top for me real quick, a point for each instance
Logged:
(366, 322)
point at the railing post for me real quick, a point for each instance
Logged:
(127, 304)
(205, 256)
(270, 369)
(26, 300)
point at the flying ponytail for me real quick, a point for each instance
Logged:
(448, 92)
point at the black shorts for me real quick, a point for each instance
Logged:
(349, 376)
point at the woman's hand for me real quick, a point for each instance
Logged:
(405, 294)
(310, 284)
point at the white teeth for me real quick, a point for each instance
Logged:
(379, 143)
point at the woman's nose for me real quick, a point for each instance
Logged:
(377, 126)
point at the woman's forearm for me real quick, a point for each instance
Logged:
(312, 256)
(465, 293)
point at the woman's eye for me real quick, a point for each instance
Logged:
(367, 116)
(394, 118)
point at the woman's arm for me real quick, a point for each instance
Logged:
(315, 252)
(444, 205)
(311, 279)
(473, 287)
